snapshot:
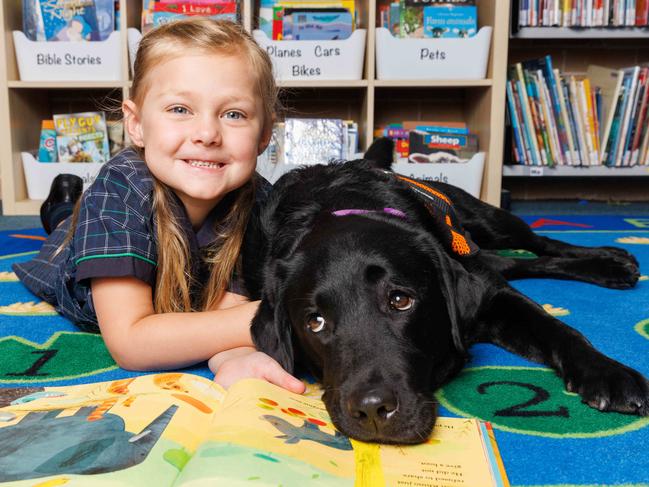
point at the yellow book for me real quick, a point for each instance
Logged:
(178, 429)
(592, 131)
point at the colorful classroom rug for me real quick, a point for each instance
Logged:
(545, 435)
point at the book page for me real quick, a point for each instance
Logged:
(137, 431)
(265, 434)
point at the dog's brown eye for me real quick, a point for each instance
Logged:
(316, 322)
(400, 301)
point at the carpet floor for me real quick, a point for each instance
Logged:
(546, 436)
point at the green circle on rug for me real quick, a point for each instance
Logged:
(530, 400)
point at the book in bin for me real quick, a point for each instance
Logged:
(176, 429)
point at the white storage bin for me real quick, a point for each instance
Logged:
(316, 60)
(39, 175)
(465, 175)
(432, 59)
(133, 38)
(68, 60)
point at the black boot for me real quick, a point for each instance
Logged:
(59, 204)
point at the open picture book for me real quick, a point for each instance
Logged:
(175, 429)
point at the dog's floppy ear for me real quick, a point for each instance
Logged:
(271, 328)
(381, 152)
(463, 293)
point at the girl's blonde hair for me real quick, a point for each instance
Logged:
(174, 279)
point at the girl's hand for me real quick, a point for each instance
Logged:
(246, 362)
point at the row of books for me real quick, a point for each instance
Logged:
(428, 18)
(70, 20)
(159, 12)
(430, 141)
(597, 119)
(79, 137)
(307, 19)
(583, 13)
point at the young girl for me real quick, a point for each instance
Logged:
(148, 257)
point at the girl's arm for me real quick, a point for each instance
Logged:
(140, 339)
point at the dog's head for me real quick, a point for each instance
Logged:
(369, 300)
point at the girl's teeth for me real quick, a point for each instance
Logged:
(204, 164)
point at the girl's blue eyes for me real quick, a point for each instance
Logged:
(232, 115)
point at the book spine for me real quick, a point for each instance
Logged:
(606, 134)
(629, 106)
(642, 13)
(636, 100)
(553, 137)
(606, 14)
(588, 117)
(443, 129)
(596, 101)
(609, 154)
(571, 155)
(519, 149)
(565, 13)
(565, 86)
(548, 73)
(619, 120)
(529, 148)
(574, 100)
(540, 122)
(582, 105)
(643, 158)
(641, 122)
(527, 113)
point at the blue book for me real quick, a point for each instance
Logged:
(518, 143)
(442, 129)
(105, 12)
(324, 26)
(78, 20)
(450, 21)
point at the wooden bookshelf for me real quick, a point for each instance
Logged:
(572, 51)
(371, 102)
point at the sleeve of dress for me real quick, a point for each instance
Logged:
(115, 231)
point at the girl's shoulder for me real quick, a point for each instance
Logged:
(125, 172)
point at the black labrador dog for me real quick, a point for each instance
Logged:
(379, 284)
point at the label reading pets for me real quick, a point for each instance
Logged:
(428, 54)
(51, 59)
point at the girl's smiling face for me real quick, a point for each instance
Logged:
(202, 125)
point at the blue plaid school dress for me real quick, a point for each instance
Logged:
(115, 237)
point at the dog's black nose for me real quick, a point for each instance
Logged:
(373, 408)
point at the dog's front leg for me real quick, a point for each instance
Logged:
(521, 326)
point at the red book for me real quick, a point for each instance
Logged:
(642, 12)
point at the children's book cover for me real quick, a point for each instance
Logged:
(77, 20)
(82, 137)
(175, 429)
(441, 147)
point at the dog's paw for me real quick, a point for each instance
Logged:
(619, 273)
(607, 271)
(620, 254)
(608, 385)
